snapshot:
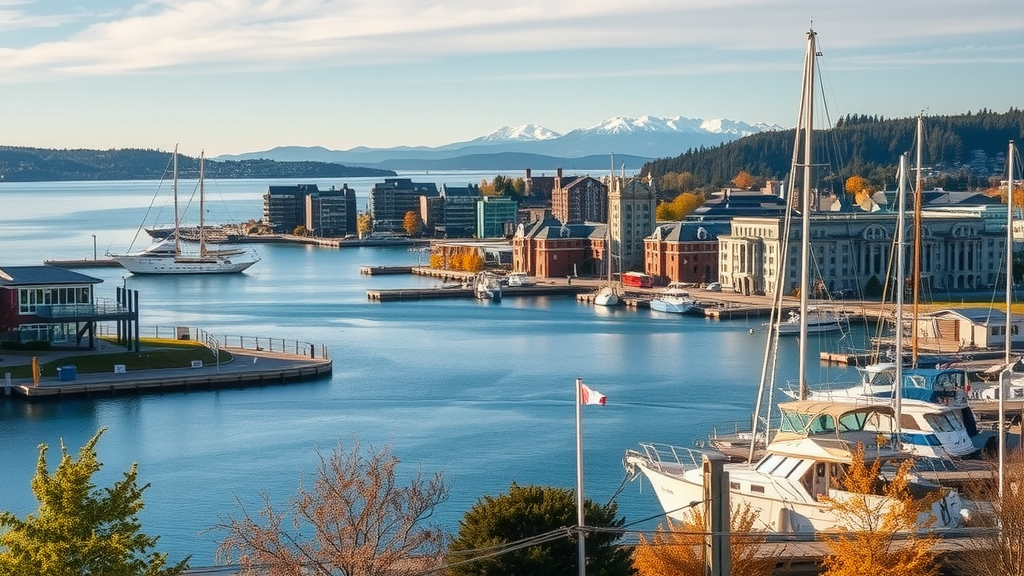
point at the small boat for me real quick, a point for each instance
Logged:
(606, 296)
(519, 279)
(173, 255)
(487, 286)
(674, 299)
(818, 321)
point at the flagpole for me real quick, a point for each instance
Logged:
(581, 545)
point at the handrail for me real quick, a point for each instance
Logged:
(208, 339)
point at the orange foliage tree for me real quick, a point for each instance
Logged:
(744, 180)
(679, 207)
(411, 222)
(880, 536)
(679, 549)
(860, 189)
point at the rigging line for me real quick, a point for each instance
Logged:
(622, 486)
(516, 543)
(667, 512)
(149, 209)
(564, 532)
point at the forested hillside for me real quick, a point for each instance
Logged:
(45, 165)
(961, 152)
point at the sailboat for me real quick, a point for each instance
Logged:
(171, 255)
(792, 487)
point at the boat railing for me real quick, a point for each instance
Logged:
(663, 456)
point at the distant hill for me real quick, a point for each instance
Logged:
(631, 140)
(961, 152)
(45, 165)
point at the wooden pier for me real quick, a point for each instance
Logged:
(400, 294)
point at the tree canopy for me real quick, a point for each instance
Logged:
(80, 529)
(356, 520)
(543, 515)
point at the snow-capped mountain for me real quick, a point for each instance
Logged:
(646, 137)
(524, 133)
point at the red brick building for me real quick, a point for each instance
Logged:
(684, 252)
(549, 249)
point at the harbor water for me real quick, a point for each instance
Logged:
(479, 391)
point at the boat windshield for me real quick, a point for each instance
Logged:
(815, 424)
(944, 422)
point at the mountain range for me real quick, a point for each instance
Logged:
(632, 141)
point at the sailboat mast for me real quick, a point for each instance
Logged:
(917, 242)
(202, 204)
(1004, 377)
(901, 274)
(807, 121)
(177, 217)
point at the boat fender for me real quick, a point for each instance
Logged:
(785, 523)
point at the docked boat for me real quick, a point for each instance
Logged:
(819, 320)
(674, 299)
(792, 486)
(173, 255)
(487, 286)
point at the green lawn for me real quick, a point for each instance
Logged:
(155, 354)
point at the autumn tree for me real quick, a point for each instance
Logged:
(78, 528)
(357, 520)
(860, 189)
(676, 182)
(546, 516)
(364, 224)
(880, 536)
(503, 186)
(679, 207)
(300, 230)
(411, 223)
(679, 548)
(997, 549)
(744, 180)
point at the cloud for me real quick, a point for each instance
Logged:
(269, 35)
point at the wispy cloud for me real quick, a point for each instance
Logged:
(156, 36)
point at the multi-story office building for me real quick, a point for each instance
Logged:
(392, 199)
(496, 216)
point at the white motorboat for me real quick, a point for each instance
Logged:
(674, 299)
(173, 255)
(791, 487)
(819, 320)
(487, 286)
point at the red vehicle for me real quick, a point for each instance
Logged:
(637, 279)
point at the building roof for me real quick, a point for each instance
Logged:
(980, 316)
(690, 231)
(39, 275)
(552, 228)
(293, 190)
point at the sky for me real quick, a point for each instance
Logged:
(234, 76)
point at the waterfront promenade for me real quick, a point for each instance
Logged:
(247, 367)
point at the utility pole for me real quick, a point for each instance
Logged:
(716, 513)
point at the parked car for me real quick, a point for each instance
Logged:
(713, 287)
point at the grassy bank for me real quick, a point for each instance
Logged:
(155, 354)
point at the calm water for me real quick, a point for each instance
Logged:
(480, 391)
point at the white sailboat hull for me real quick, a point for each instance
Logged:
(606, 296)
(148, 264)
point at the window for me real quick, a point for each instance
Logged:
(31, 298)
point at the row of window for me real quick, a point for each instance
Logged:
(30, 298)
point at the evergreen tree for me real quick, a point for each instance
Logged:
(78, 528)
(527, 512)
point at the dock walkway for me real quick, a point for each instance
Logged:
(247, 368)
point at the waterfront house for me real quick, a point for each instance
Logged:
(54, 305)
(957, 329)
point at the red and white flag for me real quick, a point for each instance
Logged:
(590, 396)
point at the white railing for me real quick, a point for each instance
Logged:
(214, 343)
